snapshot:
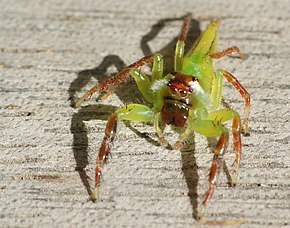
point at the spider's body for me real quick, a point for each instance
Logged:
(177, 99)
(189, 97)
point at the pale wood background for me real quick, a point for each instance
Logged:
(52, 51)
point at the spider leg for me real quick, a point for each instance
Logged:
(224, 115)
(227, 51)
(116, 80)
(179, 50)
(143, 83)
(216, 90)
(134, 112)
(157, 68)
(215, 169)
(211, 128)
(104, 151)
(183, 136)
(157, 129)
(243, 92)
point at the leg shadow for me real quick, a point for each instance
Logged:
(189, 169)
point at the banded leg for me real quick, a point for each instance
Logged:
(179, 50)
(134, 112)
(104, 151)
(222, 116)
(215, 169)
(116, 80)
(211, 128)
(227, 51)
(243, 92)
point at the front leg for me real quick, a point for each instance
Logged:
(179, 49)
(116, 80)
(134, 112)
(143, 82)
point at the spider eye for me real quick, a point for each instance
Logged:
(172, 76)
(183, 93)
(173, 90)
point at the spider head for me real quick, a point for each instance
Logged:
(181, 85)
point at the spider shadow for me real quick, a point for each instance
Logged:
(129, 93)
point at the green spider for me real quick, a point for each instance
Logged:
(189, 97)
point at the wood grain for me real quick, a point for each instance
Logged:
(51, 52)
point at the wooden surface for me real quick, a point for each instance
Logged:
(51, 52)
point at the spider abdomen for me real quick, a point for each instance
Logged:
(174, 112)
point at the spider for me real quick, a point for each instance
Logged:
(187, 98)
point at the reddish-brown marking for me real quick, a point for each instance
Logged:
(174, 113)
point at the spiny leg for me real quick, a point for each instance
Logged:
(215, 169)
(243, 92)
(211, 128)
(134, 112)
(222, 116)
(104, 151)
(179, 50)
(236, 131)
(227, 51)
(116, 80)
